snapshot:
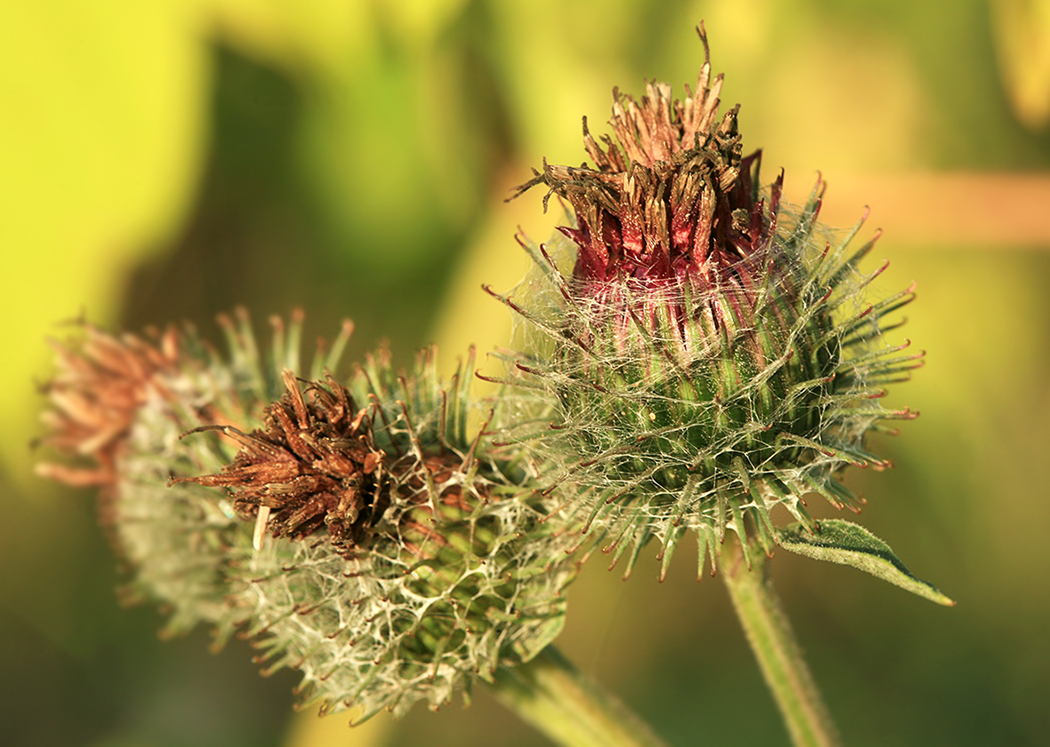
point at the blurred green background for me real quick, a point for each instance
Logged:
(172, 159)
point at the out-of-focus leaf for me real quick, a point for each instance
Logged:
(847, 543)
(301, 37)
(101, 141)
(1022, 40)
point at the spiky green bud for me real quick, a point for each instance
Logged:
(708, 353)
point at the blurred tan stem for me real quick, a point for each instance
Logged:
(779, 656)
(556, 698)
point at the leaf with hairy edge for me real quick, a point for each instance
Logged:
(847, 543)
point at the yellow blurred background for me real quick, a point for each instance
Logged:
(172, 159)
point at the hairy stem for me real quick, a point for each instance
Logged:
(556, 698)
(773, 642)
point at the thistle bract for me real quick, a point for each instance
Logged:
(367, 534)
(707, 352)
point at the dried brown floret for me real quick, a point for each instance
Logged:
(669, 196)
(101, 382)
(313, 464)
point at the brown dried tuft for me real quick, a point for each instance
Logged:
(102, 380)
(670, 197)
(313, 464)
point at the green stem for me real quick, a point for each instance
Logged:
(773, 642)
(556, 698)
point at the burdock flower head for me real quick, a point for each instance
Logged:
(708, 352)
(119, 404)
(367, 533)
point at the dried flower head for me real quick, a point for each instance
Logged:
(119, 405)
(408, 559)
(710, 356)
(101, 382)
(409, 555)
(312, 464)
(670, 198)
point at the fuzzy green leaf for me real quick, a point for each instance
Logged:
(847, 543)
